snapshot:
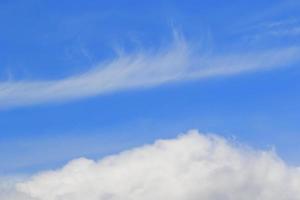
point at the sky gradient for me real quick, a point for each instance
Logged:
(90, 79)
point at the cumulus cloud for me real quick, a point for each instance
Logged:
(191, 167)
(177, 62)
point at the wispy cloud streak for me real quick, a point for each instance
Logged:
(177, 62)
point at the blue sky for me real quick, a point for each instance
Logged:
(93, 78)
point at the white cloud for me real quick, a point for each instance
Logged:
(7, 189)
(191, 167)
(177, 62)
(286, 29)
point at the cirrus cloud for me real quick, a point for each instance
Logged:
(174, 63)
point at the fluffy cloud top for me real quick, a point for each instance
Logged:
(191, 167)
